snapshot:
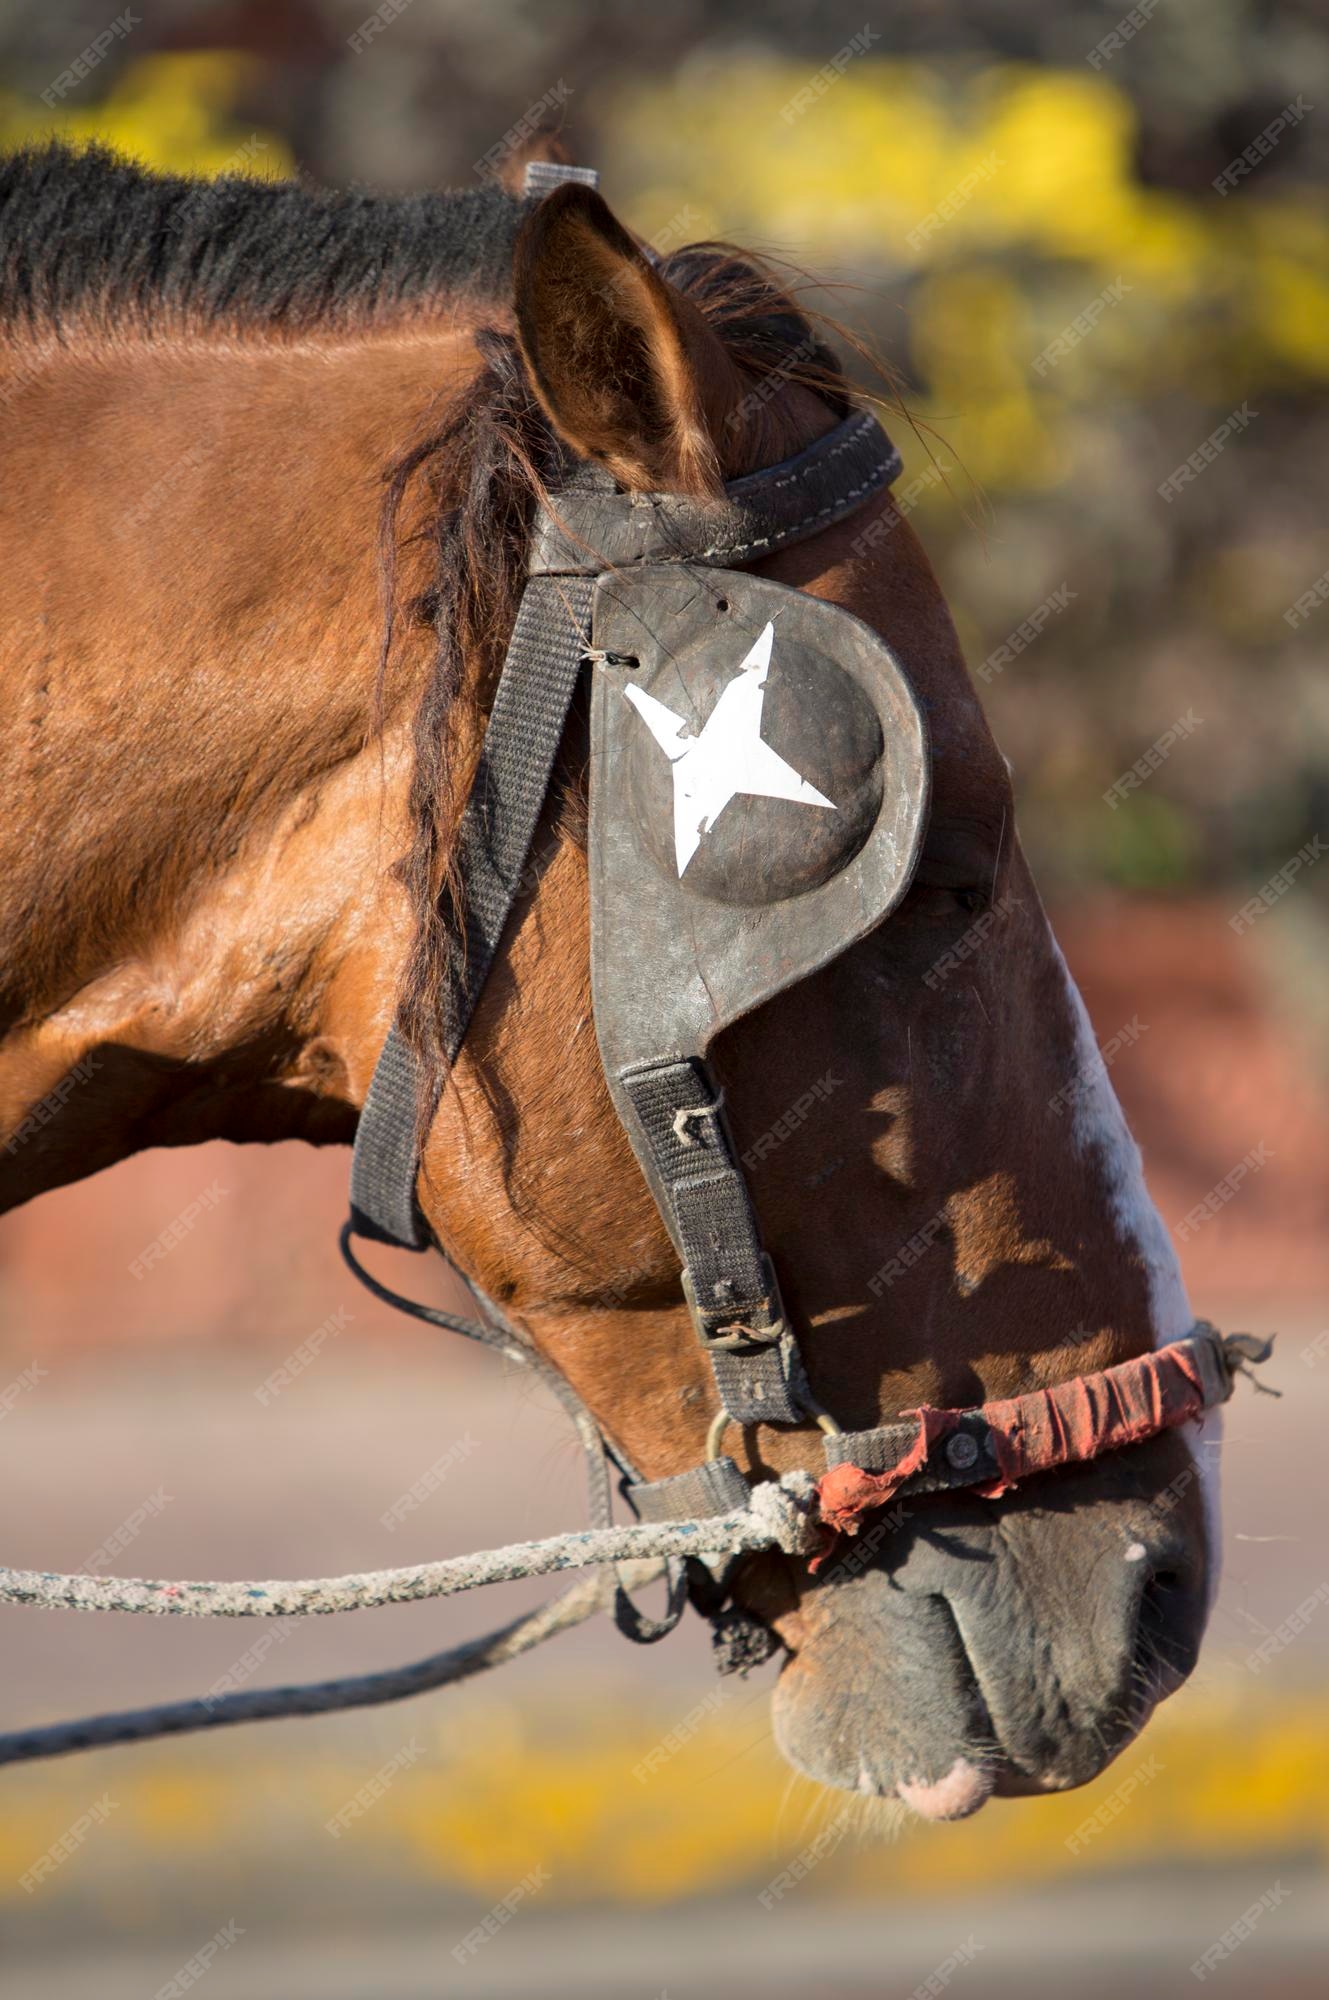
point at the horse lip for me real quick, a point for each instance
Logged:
(957, 1795)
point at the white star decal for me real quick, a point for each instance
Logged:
(728, 759)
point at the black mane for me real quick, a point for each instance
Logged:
(87, 234)
(89, 238)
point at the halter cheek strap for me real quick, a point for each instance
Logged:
(614, 579)
(670, 1103)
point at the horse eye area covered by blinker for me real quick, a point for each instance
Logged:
(758, 797)
(729, 743)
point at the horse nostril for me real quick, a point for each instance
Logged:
(1158, 1601)
(1167, 1633)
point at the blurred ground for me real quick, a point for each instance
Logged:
(1133, 1935)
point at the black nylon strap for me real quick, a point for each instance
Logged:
(549, 641)
(683, 1143)
(834, 476)
(384, 1161)
(718, 1487)
(965, 1457)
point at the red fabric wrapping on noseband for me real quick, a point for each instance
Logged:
(1077, 1420)
(1092, 1414)
(846, 1492)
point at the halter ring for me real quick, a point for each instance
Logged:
(721, 1421)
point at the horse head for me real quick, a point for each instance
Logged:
(941, 1171)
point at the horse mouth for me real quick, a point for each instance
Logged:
(946, 1756)
(1003, 1653)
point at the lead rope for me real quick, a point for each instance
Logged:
(793, 1514)
(782, 1516)
(659, 1549)
(140, 1725)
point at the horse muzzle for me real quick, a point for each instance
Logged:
(1013, 1646)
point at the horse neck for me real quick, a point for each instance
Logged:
(194, 888)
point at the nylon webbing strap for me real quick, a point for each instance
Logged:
(730, 1286)
(718, 1487)
(590, 529)
(965, 1457)
(549, 640)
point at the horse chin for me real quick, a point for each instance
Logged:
(998, 1650)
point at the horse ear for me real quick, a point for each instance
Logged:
(626, 368)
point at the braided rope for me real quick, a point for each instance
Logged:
(216, 1711)
(784, 1514)
(777, 1516)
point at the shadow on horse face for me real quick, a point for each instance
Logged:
(973, 1648)
(965, 1646)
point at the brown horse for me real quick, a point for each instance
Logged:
(228, 808)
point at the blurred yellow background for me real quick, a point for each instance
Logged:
(1087, 245)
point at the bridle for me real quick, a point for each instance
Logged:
(695, 921)
(690, 934)
(644, 591)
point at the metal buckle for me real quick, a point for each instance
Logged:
(720, 1329)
